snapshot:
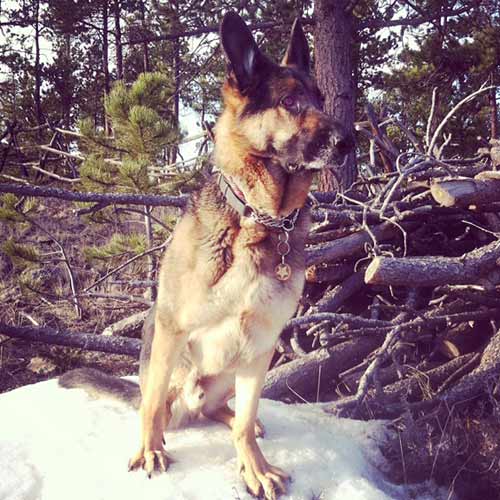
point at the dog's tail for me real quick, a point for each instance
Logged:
(99, 384)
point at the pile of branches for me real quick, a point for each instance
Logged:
(402, 297)
(401, 310)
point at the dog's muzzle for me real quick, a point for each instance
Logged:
(329, 147)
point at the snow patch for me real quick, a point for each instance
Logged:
(57, 444)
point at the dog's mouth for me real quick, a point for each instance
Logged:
(328, 161)
(294, 167)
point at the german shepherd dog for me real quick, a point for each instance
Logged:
(234, 271)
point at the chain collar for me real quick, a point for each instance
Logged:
(283, 225)
(245, 210)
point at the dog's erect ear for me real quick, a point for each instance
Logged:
(297, 52)
(241, 50)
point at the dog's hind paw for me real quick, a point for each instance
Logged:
(151, 461)
(260, 430)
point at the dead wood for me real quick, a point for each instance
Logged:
(465, 192)
(350, 245)
(91, 342)
(128, 326)
(298, 379)
(396, 397)
(332, 301)
(321, 273)
(103, 198)
(435, 270)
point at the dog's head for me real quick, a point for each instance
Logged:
(278, 107)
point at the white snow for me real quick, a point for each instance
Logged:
(58, 444)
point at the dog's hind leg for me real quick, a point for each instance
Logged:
(226, 415)
(218, 390)
(167, 344)
(257, 473)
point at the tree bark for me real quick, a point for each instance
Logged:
(173, 150)
(118, 41)
(302, 375)
(67, 95)
(433, 271)
(38, 78)
(102, 199)
(493, 112)
(152, 260)
(105, 65)
(333, 43)
(90, 342)
(465, 192)
(145, 48)
(348, 246)
(127, 327)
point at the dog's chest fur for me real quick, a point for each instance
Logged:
(223, 289)
(245, 313)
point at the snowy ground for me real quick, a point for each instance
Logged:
(58, 444)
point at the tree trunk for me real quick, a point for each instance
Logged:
(150, 293)
(145, 53)
(118, 42)
(38, 78)
(177, 79)
(105, 57)
(333, 42)
(493, 112)
(67, 95)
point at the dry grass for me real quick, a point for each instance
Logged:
(457, 447)
(47, 302)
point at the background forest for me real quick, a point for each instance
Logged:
(106, 116)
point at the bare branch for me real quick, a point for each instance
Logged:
(445, 120)
(109, 199)
(92, 342)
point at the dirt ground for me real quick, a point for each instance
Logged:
(23, 363)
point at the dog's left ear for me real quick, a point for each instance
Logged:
(297, 52)
(241, 49)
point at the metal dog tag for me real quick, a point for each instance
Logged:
(283, 271)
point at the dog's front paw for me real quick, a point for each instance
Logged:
(150, 461)
(259, 476)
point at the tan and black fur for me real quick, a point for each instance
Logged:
(220, 307)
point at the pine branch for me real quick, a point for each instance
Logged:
(197, 32)
(373, 23)
(412, 21)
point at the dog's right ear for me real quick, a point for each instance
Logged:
(240, 48)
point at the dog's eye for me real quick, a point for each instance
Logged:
(289, 102)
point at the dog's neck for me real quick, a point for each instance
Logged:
(262, 182)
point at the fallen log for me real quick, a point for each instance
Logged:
(299, 379)
(349, 245)
(325, 273)
(465, 192)
(102, 198)
(333, 300)
(482, 380)
(281, 382)
(89, 341)
(435, 270)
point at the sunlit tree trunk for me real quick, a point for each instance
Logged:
(118, 40)
(333, 55)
